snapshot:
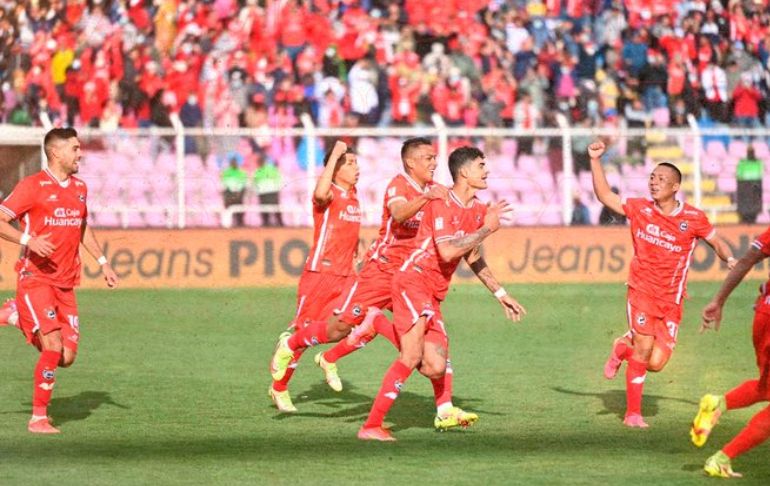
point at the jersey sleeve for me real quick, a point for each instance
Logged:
(20, 200)
(396, 191)
(703, 228)
(632, 206)
(762, 243)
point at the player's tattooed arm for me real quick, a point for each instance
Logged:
(513, 310)
(712, 313)
(457, 247)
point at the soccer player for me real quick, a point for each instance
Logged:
(748, 392)
(405, 197)
(329, 269)
(51, 209)
(664, 233)
(8, 313)
(450, 230)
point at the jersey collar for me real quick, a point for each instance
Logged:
(457, 201)
(675, 212)
(64, 183)
(415, 184)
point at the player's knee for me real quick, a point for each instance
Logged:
(432, 371)
(67, 361)
(655, 366)
(411, 359)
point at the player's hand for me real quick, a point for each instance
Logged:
(712, 317)
(596, 149)
(437, 191)
(109, 276)
(731, 262)
(513, 310)
(41, 246)
(340, 148)
(495, 213)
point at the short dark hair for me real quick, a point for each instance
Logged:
(460, 157)
(56, 134)
(674, 168)
(341, 160)
(413, 143)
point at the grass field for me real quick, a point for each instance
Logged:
(170, 388)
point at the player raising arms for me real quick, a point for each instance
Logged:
(450, 230)
(749, 392)
(51, 208)
(329, 270)
(664, 233)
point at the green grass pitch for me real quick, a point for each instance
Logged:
(170, 388)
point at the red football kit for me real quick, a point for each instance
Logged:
(423, 280)
(663, 248)
(44, 293)
(373, 285)
(761, 331)
(328, 272)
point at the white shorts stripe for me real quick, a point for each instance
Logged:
(415, 315)
(32, 311)
(299, 307)
(347, 300)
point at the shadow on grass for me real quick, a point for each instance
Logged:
(614, 401)
(410, 410)
(76, 407)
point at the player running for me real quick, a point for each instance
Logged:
(51, 209)
(405, 196)
(329, 270)
(664, 233)
(450, 230)
(749, 392)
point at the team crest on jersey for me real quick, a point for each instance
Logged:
(478, 218)
(647, 210)
(455, 221)
(53, 197)
(641, 319)
(683, 226)
(50, 313)
(356, 310)
(82, 198)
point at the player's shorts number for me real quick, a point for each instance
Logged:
(74, 322)
(673, 329)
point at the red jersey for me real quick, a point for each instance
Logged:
(442, 220)
(663, 247)
(393, 243)
(44, 205)
(335, 235)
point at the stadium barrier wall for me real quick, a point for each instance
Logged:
(275, 257)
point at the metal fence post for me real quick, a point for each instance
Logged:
(567, 170)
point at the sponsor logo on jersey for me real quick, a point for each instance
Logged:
(654, 235)
(64, 217)
(45, 183)
(683, 226)
(352, 214)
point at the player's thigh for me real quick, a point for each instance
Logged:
(413, 343)
(38, 318)
(67, 312)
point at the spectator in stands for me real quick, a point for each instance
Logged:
(525, 117)
(608, 216)
(653, 82)
(747, 99)
(580, 214)
(234, 180)
(714, 82)
(267, 183)
(749, 191)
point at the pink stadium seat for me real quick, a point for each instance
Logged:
(715, 148)
(551, 218)
(527, 164)
(727, 183)
(761, 149)
(711, 166)
(106, 220)
(155, 219)
(763, 217)
(737, 148)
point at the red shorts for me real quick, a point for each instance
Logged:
(761, 337)
(413, 299)
(371, 289)
(319, 294)
(651, 317)
(45, 308)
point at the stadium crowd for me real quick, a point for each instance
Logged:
(253, 63)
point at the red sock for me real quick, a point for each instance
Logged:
(391, 386)
(283, 383)
(756, 432)
(636, 372)
(743, 395)
(442, 387)
(311, 335)
(384, 327)
(344, 348)
(45, 378)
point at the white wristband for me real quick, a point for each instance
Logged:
(24, 239)
(101, 260)
(731, 259)
(500, 293)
